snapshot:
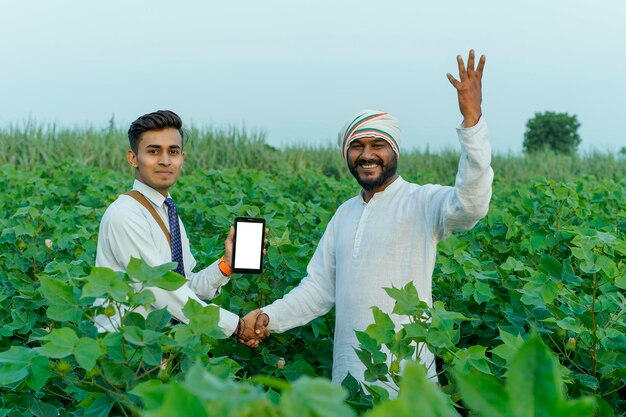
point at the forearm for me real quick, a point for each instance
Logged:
(174, 302)
(301, 305)
(472, 188)
(207, 282)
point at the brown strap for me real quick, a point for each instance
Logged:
(144, 202)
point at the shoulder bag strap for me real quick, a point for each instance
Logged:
(144, 202)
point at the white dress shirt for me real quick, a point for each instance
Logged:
(386, 242)
(128, 230)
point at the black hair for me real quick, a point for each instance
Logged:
(157, 120)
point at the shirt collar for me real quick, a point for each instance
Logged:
(389, 191)
(150, 193)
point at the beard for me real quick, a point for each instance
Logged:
(387, 171)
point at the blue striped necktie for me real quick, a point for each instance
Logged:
(177, 247)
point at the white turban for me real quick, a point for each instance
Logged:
(370, 123)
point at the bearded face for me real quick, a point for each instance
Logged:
(372, 162)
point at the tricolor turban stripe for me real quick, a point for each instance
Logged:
(370, 123)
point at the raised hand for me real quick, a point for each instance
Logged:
(469, 88)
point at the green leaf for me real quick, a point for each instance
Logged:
(513, 264)
(87, 352)
(203, 319)
(178, 401)
(101, 407)
(41, 409)
(534, 385)
(113, 344)
(152, 392)
(60, 296)
(117, 374)
(441, 315)
(407, 301)
(227, 397)
(483, 393)
(144, 297)
(157, 319)
(549, 291)
(483, 292)
(367, 342)
(135, 319)
(589, 259)
(584, 407)
(472, 358)
(295, 369)
(570, 323)
(158, 276)
(508, 350)
(223, 367)
(152, 354)
(620, 281)
(39, 373)
(416, 331)
(551, 266)
(310, 397)
(19, 362)
(418, 397)
(60, 344)
(104, 282)
(383, 328)
(140, 337)
(587, 381)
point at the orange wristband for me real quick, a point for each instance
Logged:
(224, 267)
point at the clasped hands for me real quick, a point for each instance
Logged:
(253, 328)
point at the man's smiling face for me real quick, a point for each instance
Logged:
(372, 162)
(159, 158)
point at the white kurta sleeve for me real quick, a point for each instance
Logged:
(314, 296)
(462, 206)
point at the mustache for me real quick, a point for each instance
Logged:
(362, 161)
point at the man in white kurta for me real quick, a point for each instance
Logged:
(388, 234)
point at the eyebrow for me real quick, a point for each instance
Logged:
(151, 145)
(374, 141)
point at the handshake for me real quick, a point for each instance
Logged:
(252, 328)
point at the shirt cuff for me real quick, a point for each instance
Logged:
(228, 322)
(271, 313)
(219, 279)
(478, 132)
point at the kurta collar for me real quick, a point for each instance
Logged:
(389, 191)
(150, 193)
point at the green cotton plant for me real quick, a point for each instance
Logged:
(534, 388)
(383, 349)
(528, 266)
(549, 258)
(202, 393)
(69, 365)
(534, 385)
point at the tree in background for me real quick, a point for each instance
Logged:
(554, 131)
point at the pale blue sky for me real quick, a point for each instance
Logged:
(300, 69)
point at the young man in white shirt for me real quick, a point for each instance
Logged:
(134, 224)
(388, 234)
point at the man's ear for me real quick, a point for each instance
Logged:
(131, 157)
